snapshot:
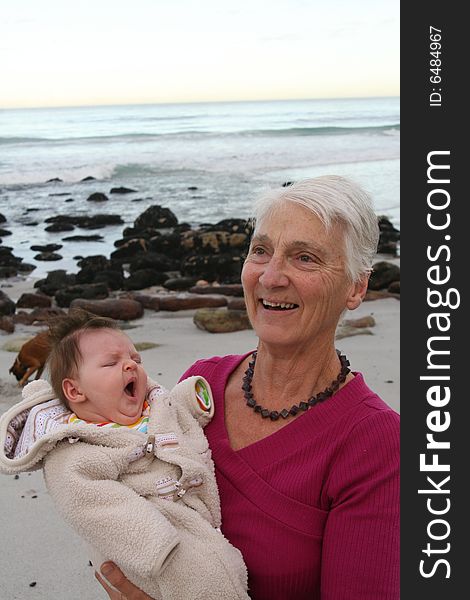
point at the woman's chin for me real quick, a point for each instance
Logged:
(276, 336)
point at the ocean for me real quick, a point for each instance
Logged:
(204, 161)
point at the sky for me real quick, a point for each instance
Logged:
(88, 52)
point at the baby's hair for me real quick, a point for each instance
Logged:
(65, 332)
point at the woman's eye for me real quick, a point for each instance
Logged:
(109, 364)
(259, 251)
(305, 258)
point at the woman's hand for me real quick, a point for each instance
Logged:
(126, 589)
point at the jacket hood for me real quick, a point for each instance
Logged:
(33, 427)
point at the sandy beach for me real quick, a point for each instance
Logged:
(42, 557)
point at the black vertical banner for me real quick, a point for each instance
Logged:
(435, 379)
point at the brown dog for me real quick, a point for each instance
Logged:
(32, 357)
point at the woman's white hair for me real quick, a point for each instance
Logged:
(332, 199)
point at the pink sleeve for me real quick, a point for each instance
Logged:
(203, 367)
(360, 556)
(190, 372)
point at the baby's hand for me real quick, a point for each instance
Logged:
(154, 390)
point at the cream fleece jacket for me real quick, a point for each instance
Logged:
(148, 502)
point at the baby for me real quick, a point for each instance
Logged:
(126, 462)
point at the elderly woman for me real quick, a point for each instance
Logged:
(306, 455)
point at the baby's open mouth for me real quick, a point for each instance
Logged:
(129, 389)
(278, 305)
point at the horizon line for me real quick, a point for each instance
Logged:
(108, 105)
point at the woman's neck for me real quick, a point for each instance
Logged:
(282, 378)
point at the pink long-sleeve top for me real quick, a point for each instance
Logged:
(314, 507)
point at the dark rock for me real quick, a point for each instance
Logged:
(167, 243)
(7, 259)
(25, 267)
(23, 318)
(4, 232)
(236, 304)
(6, 272)
(7, 324)
(89, 178)
(383, 273)
(7, 306)
(96, 262)
(181, 227)
(223, 268)
(54, 179)
(83, 238)
(98, 269)
(156, 216)
(231, 226)
(121, 309)
(54, 281)
(152, 260)
(214, 242)
(187, 301)
(86, 275)
(386, 227)
(31, 209)
(97, 197)
(234, 289)
(144, 278)
(129, 249)
(48, 256)
(394, 287)
(221, 320)
(28, 300)
(149, 301)
(60, 227)
(388, 248)
(133, 233)
(192, 188)
(60, 194)
(2, 218)
(70, 200)
(113, 279)
(93, 291)
(121, 190)
(87, 222)
(46, 248)
(287, 183)
(389, 236)
(98, 221)
(45, 314)
(179, 283)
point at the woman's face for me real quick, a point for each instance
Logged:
(295, 280)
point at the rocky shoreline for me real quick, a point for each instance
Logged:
(178, 266)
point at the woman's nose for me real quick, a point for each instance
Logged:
(274, 274)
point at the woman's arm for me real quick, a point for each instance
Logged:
(360, 555)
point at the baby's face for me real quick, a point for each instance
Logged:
(111, 381)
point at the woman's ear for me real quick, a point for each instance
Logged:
(72, 391)
(357, 293)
